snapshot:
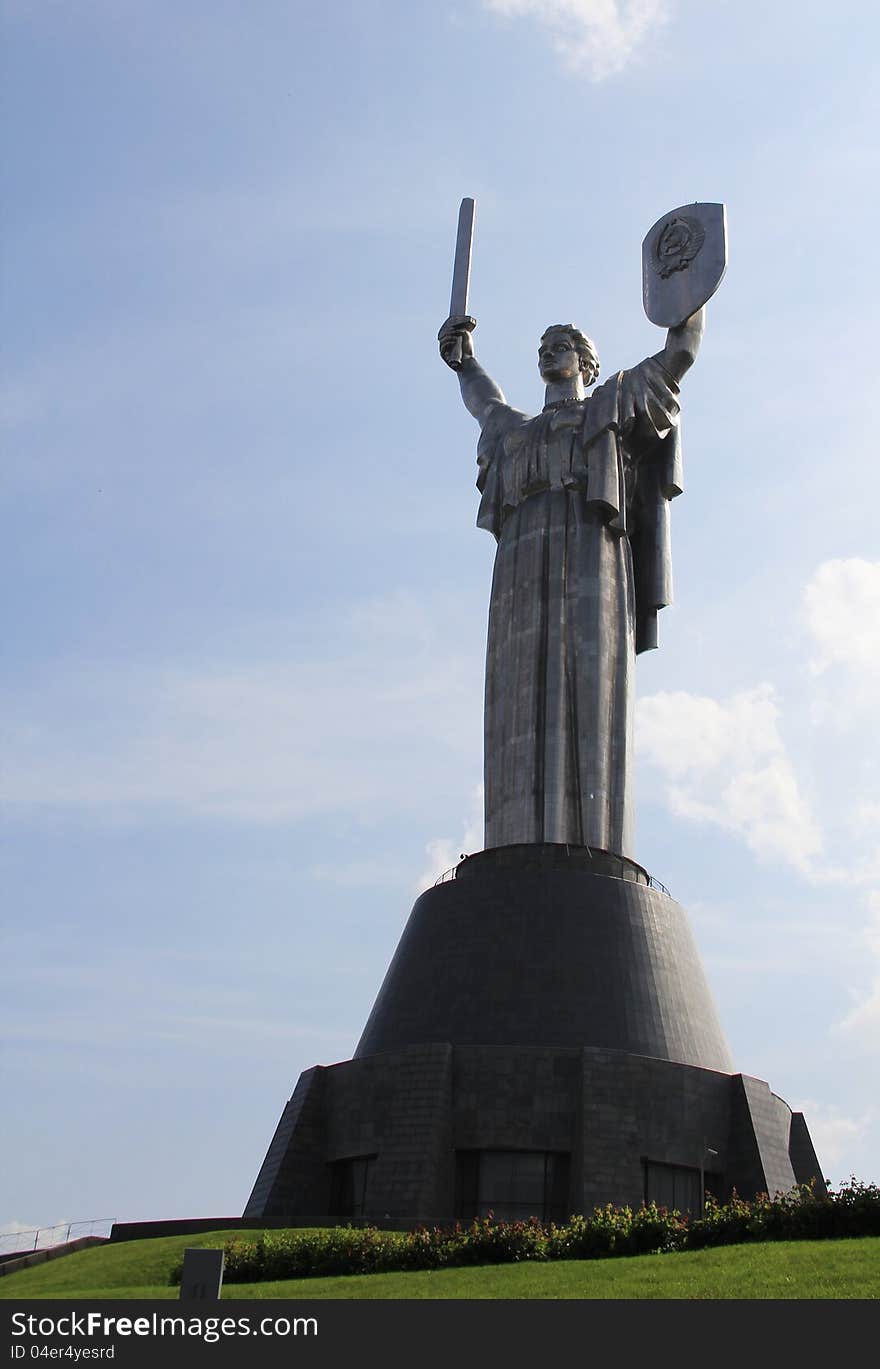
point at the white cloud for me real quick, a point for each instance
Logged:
(863, 1021)
(726, 764)
(842, 611)
(689, 733)
(834, 1135)
(861, 1025)
(594, 37)
(872, 930)
(443, 853)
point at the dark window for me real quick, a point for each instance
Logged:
(349, 1180)
(512, 1184)
(672, 1186)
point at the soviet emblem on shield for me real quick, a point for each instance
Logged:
(684, 257)
(676, 245)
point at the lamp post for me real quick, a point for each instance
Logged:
(706, 1150)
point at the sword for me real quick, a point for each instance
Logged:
(461, 274)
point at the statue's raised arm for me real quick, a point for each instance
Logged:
(682, 345)
(478, 390)
(647, 394)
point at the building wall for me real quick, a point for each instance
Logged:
(637, 1109)
(397, 1107)
(611, 1111)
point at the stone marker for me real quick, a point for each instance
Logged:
(202, 1277)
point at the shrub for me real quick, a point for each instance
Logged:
(805, 1213)
(654, 1229)
(728, 1223)
(583, 1238)
(487, 1241)
(856, 1209)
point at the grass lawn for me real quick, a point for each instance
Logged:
(127, 1269)
(783, 1269)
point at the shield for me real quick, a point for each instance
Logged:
(684, 257)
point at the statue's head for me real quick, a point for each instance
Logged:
(565, 351)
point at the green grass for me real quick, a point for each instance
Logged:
(127, 1269)
(783, 1269)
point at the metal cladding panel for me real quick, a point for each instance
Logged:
(551, 956)
(804, 1162)
(759, 1139)
(294, 1168)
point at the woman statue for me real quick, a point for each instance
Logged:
(578, 500)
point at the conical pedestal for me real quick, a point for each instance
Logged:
(530, 945)
(544, 1042)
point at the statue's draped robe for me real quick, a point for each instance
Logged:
(578, 499)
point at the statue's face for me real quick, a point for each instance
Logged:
(558, 358)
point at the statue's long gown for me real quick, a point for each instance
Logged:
(578, 500)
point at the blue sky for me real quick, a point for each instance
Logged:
(245, 599)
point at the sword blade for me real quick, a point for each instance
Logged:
(461, 271)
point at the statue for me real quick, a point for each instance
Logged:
(578, 500)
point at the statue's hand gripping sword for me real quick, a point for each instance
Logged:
(461, 275)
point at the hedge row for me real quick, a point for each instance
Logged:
(802, 1214)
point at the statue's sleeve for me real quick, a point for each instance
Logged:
(499, 421)
(648, 411)
(648, 419)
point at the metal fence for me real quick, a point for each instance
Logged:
(656, 884)
(618, 867)
(44, 1237)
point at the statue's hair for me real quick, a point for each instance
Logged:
(585, 347)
